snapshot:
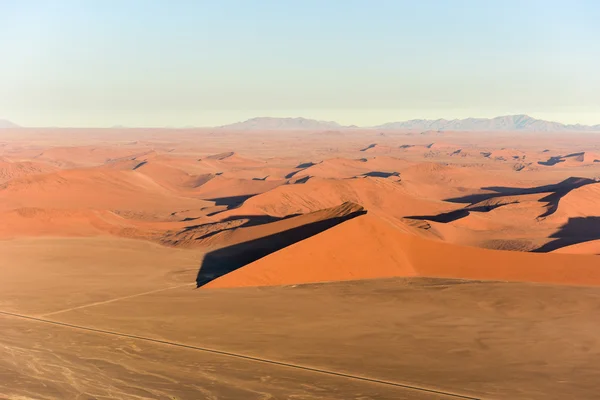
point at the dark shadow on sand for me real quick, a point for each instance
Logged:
(232, 201)
(558, 159)
(555, 193)
(251, 220)
(222, 261)
(451, 216)
(576, 230)
(557, 190)
(380, 174)
(372, 145)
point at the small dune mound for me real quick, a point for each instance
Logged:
(518, 167)
(385, 163)
(417, 149)
(220, 187)
(442, 146)
(431, 167)
(231, 158)
(498, 201)
(367, 248)
(338, 168)
(506, 154)
(170, 175)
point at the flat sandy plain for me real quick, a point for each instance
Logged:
(351, 264)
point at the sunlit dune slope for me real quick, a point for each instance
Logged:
(93, 188)
(35, 222)
(589, 247)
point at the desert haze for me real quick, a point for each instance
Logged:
(299, 259)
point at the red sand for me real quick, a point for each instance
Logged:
(192, 189)
(367, 248)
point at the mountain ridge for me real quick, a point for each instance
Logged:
(505, 123)
(4, 123)
(289, 123)
(519, 122)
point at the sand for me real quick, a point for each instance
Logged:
(434, 264)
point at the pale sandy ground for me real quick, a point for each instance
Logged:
(481, 340)
(114, 229)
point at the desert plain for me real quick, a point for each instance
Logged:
(299, 264)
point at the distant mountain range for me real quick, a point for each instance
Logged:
(507, 123)
(268, 123)
(503, 123)
(4, 123)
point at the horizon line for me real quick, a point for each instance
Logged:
(325, 121)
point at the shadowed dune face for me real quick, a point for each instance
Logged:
(225, 260)
(576, 230)
(558, 190)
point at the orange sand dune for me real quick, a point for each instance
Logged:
(230, 158)
(247, 244)
(367, 247)
(339, 168)
(93, 188)
(170, 176)
(442, 146)
(343, 168)
(247, 228)
(220, 187)
(52, 222)
(510, 154)
(17, 169)
(27, 222)
(83, 156)
(583, 201)
(386, 163)
(385, 195)
(352, 250)
(264, 173)
(525, 221)
(590, 247)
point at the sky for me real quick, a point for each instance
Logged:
(364, 62)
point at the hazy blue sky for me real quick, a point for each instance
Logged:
(177, 62)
